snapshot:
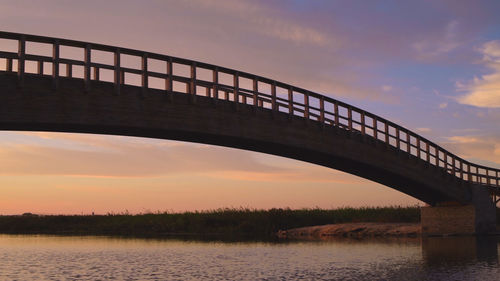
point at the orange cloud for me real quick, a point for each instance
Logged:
(484, 91)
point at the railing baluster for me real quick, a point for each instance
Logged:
(69, 70)
(55, 64)
(117, 74)
(236, 88)
(21, 52)
(169, 80)
(375, 130)
(86, 72)
(39, 68)
(273, 96)
(144, 74)
(290, 101)
(255, 92)
(97, 76)
(8, 65)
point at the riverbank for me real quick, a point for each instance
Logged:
(353, 230)
(246, 223)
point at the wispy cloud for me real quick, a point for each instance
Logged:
(428, 49)
(484, 91)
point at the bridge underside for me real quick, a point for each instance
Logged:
(38, 107)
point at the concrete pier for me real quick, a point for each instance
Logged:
(453, 218)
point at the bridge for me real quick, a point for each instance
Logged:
(174, 98)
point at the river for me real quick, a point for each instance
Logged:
(40, 257)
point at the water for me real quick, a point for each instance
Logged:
(24, 257)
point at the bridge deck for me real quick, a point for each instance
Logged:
(219, 83)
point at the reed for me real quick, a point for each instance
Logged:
(226, 222)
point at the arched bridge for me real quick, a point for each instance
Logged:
(72, 88)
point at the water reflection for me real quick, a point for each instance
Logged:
(465, 249)
(90, 258)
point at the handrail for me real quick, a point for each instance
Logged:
(313, 106)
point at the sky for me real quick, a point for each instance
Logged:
(430, 66)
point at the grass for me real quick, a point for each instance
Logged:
(224, 222)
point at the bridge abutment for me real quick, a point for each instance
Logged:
(453, 218)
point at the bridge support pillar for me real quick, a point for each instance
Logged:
(453, 218)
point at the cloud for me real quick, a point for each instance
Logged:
(443, 105)
(484, 91)
(423, 130)
(480, 149)
(428, 49)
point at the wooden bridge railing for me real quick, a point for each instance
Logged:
(277, 96)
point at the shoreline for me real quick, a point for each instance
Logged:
(352, 230)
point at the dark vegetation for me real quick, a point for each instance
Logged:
(221, 222)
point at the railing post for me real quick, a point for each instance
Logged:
(306, 106)
(86, 74)
(469, 176)
(386, 130)
(322, 110)
(397, 138)
(408, 142)
(55, 64)
(418, 148)
(375, 129)
(336, 109)
(274, 106)
(349, 118)
(445, 159)
(461, 169)
(192, 82)
(117, 75)
(290, 101)
(21, 52)
(236, 89)
(255, 92)
(169, 80)
(144, 75)
(215, 86)
(362, 119)
(427, 149)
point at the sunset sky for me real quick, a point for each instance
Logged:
(430, 66)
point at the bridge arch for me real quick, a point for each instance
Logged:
(283, 120)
